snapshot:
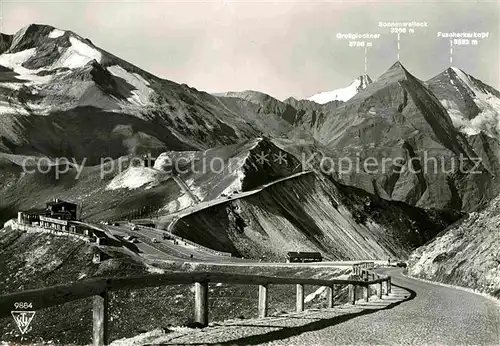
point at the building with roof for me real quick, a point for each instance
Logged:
(62, 210)
(55, 215)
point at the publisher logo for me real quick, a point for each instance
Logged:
(23, 318)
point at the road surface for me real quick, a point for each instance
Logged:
(415, 313)
(167, 250)
(432, 315)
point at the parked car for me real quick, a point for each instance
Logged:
(154, 240)
(134, 228)
(402, 264)
(303, 257)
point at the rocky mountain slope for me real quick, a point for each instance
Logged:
(57, 83)
(401, 125)
(124, 186)
(474, 109)
(467, 254)
(294, 118)
(63, 96)
(313, 213)
(425, 153)
(306, 212)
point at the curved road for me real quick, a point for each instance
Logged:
(166, 220)
(431, 315)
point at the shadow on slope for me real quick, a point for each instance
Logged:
(89, 133)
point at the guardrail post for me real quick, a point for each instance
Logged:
(379, 291)
(389, 288)
(366, 294)
(100, 319)
(263, 301)
(331, 296)
(386, 292)
(201, 302)
(352, 293)
(366, 275)
(300, 297)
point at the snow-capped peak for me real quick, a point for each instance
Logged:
(56, 33)
(342, 94)
(72, 52)
(78, 54)
(474, 84)
(486, 98)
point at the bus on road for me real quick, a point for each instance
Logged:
(302, 257)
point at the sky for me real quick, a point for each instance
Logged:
(282, 48)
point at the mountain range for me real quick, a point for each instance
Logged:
(62, 96)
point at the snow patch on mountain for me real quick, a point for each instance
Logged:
(14, 62)
(236, 185)
(343, 94)
(135, 177)
(183, 202)
(487, 121)
(56, 33)
(77, 55)
(140, 96)
(236, 167)
(460, 122)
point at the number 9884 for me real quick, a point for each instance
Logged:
(23, 305)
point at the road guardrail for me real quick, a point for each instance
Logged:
(100, 289)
